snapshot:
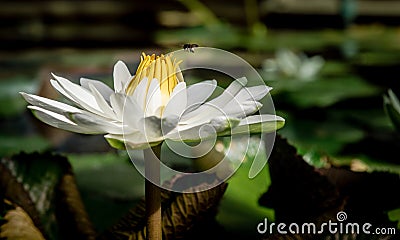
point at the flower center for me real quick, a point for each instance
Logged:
(163, 68)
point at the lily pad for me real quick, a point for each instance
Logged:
(44, 187)
(119, 187)
(14, 144)
(321, 92)
(239, 211)
(325, 137)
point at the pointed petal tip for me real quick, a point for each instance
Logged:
(242, 81)
(54, 75)
(120, 65)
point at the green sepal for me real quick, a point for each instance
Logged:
(260, 127)
(115, 143)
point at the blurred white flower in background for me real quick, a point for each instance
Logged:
(291, 65)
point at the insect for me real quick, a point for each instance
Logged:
(190, 47)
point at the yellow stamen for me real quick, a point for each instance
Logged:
(163, 68)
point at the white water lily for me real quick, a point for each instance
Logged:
(153, 105)
(294, 65)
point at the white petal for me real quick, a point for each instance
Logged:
(140, 93)
(198, 93)
(59, 121)
(121, 76)
(214, 107)
(49, 104)
(103, 89)
(168, 124)
(269, 65)
(288, 62)
(79, 95)
(230, 92)
(310, 67)
(153, 99)
(136, 140)
(202, 115)
(96, 122)
(192, 133)
(117, 101)
(224, 123)
(254, 93)
(241, 110)
(150, 126)
(58, 87)
(103, 105)
(260, 118)
(132, 113)
(177, 102)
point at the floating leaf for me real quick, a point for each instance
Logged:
(321, 92)
(13, 144)
(44, 187)
(239, 210)
(119, 188)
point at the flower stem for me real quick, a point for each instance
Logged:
(153, 193)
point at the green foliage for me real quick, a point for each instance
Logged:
(394, 216)
(321, 92)
(392, 108)
(13, 144)
(37, 183)
(11, 103)
(320, 137)
(43, 186)
(180, 213)
(118, 189)
(240, 211)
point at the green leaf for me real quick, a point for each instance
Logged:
(44, 187)
(313, 137)
(392, 108)
(239, 211)
(320, 92)
(119, 188)
(394, 215)
(11, 103)
(180, 213)
(12, 144)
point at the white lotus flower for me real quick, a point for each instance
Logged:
(153, 105)
(294, 65)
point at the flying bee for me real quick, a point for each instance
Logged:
(190, 47)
